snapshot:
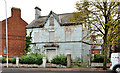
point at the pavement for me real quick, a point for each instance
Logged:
(52, 69)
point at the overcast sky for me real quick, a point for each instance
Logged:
(27, 7)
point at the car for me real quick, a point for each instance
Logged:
(115, 62)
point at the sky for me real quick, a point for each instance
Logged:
(28, 11)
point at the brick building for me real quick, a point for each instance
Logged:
(16, 34)
(96, 49)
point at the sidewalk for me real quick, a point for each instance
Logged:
(52, 69)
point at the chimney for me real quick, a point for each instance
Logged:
(16, 12)
(37, 12)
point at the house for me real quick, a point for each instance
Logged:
(55, 34)
(16, 34)
(96, 49)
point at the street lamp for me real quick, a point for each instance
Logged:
(6, 31)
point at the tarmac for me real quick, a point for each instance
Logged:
(53, 69)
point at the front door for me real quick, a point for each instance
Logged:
(51, 53)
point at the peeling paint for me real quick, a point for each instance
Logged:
(60, 34)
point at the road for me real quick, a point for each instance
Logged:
(55, 70)
(61, 72)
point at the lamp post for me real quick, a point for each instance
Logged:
(6, 31)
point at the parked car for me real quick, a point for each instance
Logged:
(115, 62)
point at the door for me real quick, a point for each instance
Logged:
(51, 53)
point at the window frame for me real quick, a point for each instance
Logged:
(51, 36)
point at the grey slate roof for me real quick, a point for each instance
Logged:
(97, 48)
(63, 19)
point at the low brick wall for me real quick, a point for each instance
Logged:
(34, 65)
(99, 64)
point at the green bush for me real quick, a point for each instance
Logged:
(13, 60)
(99, 58)
(39, 59)
(61, 59)
(31, 59)
(3, 60)
(28, 59)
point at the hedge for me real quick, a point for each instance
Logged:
(99, 58)
(31, 59)
(59, 59)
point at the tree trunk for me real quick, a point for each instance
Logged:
(105, 53)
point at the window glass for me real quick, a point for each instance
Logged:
(36, 36)
(67, 34)
(51, 36)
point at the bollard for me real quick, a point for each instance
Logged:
(68, 60)
(0, 63)
(17, 61)
(44, 62)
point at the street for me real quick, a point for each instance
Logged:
(61, 72)
(54, 70)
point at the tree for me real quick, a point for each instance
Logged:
(101, 19)
(28, 42)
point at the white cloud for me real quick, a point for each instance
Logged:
(27, 7)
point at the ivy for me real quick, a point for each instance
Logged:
(28, 42)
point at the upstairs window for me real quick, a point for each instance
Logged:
(51, 36)
(68, 34)
(51, 21)
(36, 36)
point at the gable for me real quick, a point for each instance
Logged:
(61, 19)
(51, 22)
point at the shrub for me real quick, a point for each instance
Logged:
(76, 60)
(28, 59)
(61, 59)
(3, 60)
(39, 59)
(12, 60)
(98, 58)
(31, 59)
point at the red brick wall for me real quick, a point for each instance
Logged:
(95, 51)
(16, 33)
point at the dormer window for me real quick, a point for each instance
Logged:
(51, 21)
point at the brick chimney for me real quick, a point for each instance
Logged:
(16, 12)
(37, 12)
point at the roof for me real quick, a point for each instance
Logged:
(97, 48)
(63, 20)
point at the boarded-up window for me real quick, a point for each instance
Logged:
(51, 36)
(51, 21)
(36, 36)
(67, 34)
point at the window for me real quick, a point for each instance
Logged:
(67, 34)
(51, 36)
(51, 21)
(36, 36)
(5, 50)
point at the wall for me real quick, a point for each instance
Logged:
(76, 35)
(16, 33)
(85, 51)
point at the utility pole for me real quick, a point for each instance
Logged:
(6, 31)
